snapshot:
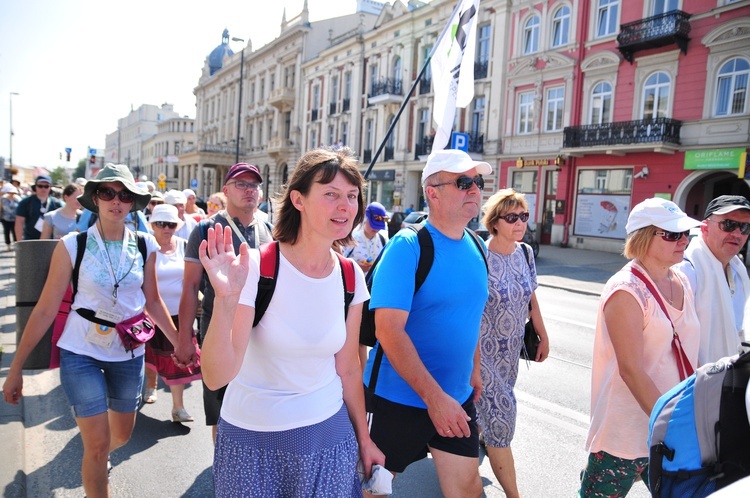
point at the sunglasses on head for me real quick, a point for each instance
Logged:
(166, 224)
(672, 236)
(464, 182)
(107, 194)
(514, 217)
(730, 226)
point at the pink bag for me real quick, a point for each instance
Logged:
(135, 331)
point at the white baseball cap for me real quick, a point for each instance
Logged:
(166, 212)
(660, 213)
(188, 192)
(175, 197)
(452, 161)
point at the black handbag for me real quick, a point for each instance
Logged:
(530, 337)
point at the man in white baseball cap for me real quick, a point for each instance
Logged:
(432, 404)
(177, 199)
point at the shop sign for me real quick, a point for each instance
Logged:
(715, 159)
(521, 162)
(382, 175)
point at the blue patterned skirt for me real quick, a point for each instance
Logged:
(316, 460)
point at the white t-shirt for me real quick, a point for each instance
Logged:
(187, 228)
(170, 270)
(95, 287)
(288, 376)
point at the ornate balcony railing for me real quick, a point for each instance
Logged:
(366, 156)
(386, 86)
(425, 85)
(476, 143)
(332, 108)
(221, 149)
(314, 115)
(480, 70)
(656, 31)
(388, 154)
(423, 147)
(623, 133)
(345, 105)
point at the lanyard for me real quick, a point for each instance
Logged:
(123, 254)
(237, 230)
(43, 207)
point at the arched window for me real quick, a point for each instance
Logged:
(561, 27)
(731, 88)
(656, 96)
(601, 104)
(531, 36)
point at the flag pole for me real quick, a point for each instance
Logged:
(408, 95)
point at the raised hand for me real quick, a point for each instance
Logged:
(226, 270)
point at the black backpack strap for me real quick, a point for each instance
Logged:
(80, 249)
(382, 239)
(348, 277)
(141, 240)
(269, 270)
(426, 257)
(480, 247)
(528, 262)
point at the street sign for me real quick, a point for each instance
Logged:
(460, 141)
(162, 177)
(194, 183)
(162, 185)
(68, 150)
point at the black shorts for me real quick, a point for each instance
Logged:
(212, 404)
(404, 433)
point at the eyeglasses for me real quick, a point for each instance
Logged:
(165, 224)
(107, 194)
(672, 236)
(42, 185)
(243, 185)
(464, 182)
(730, 226)
(514, 217)
(380, 217)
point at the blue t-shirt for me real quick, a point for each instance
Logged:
(444, 315)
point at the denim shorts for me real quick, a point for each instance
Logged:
(92, 385)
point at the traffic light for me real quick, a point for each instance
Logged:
(67, 156)
(93, 159)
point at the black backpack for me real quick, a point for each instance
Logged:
(367, 335)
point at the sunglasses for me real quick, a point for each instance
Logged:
(166, 224)
(380, 217)
(730, 226)
(672, 236)
(42, 185)
(243, 185)
(107, 194)
(213, 205)
(155, 203)
(464, 182)
(514, 217)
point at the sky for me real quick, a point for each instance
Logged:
(80, 65)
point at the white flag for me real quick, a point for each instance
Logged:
(453, 69)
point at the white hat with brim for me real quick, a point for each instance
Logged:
(111, 173)
(660, 213)
(8, 188)
(175, 197)
(167, 213)
(453, 161)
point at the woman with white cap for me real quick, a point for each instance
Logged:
(101, 378)
(9, 204)
(191, 209)
(646, 342)
(170, 268)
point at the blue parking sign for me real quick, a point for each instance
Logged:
(460, 141)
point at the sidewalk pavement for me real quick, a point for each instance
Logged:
(575, 270)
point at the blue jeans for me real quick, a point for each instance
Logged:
(92, 385)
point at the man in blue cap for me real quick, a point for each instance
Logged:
(30, 211)
(368, 238)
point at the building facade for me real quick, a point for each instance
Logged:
(161, 152)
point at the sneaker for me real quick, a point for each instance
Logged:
(150, 396)
(181, 415)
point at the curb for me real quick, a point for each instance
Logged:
(575, 290)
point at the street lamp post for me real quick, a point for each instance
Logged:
(10, 158)
(239, 101)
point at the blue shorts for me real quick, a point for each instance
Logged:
(92, 385)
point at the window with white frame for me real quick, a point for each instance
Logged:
(347, 84)
(270, 129)
(252, 93)
(251, 135)
(601, 104)
(477, 116)
(331, 135)
(561, 26)
(531, 36)
(344, 133)
(334, 89)
(732, 88)
(426, 53)
(313, 138)
(606, 17)
(424, 122)
(483, 43)
(373, 78)
(664, 6)
(368, 135)
(525, 113)
(262, 95)
(555, 108)
(656, 96)
(315, 97)
(397, 74)
(392, 138)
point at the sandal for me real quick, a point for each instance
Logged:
(181, 415)
(150, 395)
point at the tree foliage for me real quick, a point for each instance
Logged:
(60, 176)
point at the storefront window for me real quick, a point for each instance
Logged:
(526, 182)
(603, 202)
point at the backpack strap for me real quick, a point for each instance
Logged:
(269, 270)
(80, 249)
(347, 275)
